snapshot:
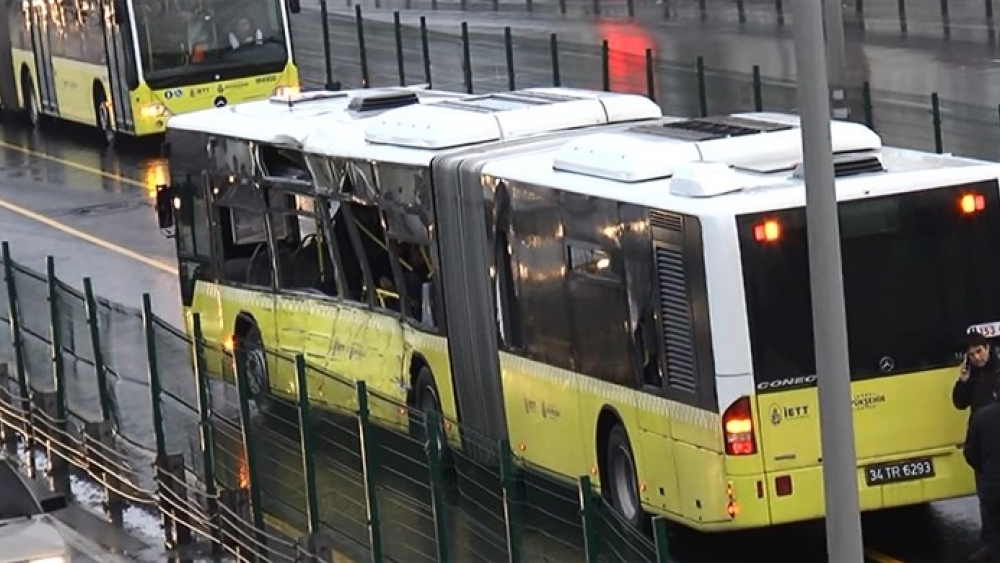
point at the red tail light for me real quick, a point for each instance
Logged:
(737, 424)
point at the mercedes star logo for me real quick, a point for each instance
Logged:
(886, 364)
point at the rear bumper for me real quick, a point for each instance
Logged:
(952, 478)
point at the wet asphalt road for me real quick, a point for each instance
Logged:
(944, 531)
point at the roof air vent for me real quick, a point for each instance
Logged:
(383, 101)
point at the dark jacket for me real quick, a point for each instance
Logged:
(982, 447)
(977, 391)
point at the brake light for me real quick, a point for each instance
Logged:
(971, 203)
(737, 423)
(768, 231)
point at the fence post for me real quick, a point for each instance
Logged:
(741, 11)
(17, 340)
(466, 58)
(606, 65)
(100, 444)
(308, 446)
(58, 466)
(400, 63)
(902, 16)
(588, 512)
(165, 465)
(249, 446)
(650, 81)
(369, 466)
(562, 7)
(327, 55)
(207, 434)
(360, 23)
(511, 502)
(758, 90)
(508, 47)
(936, 118)
(425, 46)
(435, 435)
(945, 19)
(779, 10)
(93, 315)
(866, 102)
(702, 94)
(554, 50)
(630, 7)
(597, 7)
(661, 538)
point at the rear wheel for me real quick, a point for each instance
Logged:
(32, 111)
(623, 485)
(426, 399)
(104, 121)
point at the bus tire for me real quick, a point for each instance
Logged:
(622, 481)
(251, 346)
(31, 109)
(103, 116)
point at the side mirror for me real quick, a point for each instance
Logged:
(165, 205)
(53, 503)
(294, 6)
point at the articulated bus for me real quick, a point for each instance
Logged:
(127, 66)
(619, 294)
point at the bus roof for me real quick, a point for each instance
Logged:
(727, 165)
(288, 119)
(415, 134)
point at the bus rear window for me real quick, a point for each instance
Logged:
(919, 269)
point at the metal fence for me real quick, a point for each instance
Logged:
(402, 48)
(964, 20)
(167, 423)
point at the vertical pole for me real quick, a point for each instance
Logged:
(562, 7)
(866, 93)
(397, 28)
(758, 90)
(597, 7)
(308, 446)
(206, 432)
(630, 7)
(249, 448)
(588, 513)
(103, 390)
(360, 23)
(661, 539)
(702, 94)
(466, 57)
(554, 50)
(779, 11)
(426, 48)
(154, 376)
(369, 466)
(945, 19)
(836, 57)
(901, 4)
(55, 333)
(511, 502)
(327, 55)
(843, 523)
(936, 120)
(17, 340)
(606, 65)
(650, 80)
(434, 432)
(508, 47)
(741, 11)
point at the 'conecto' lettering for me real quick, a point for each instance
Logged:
(786, 382)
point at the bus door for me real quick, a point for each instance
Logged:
(45, 75)
(117, 64)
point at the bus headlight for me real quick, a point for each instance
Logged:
(152, 111)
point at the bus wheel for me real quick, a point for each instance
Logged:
(255, 358)
(30, 103)
(104, 120)
(426, 399)
(623, 485)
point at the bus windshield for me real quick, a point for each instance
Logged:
(184, 42)
(919, 269)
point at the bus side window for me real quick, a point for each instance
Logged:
(246, 258)
(419, 283)
(376, 251)
(304, 256)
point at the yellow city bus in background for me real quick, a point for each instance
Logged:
(126, 66)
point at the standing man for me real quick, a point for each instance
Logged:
(978, 379)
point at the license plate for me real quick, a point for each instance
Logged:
(896, 471)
